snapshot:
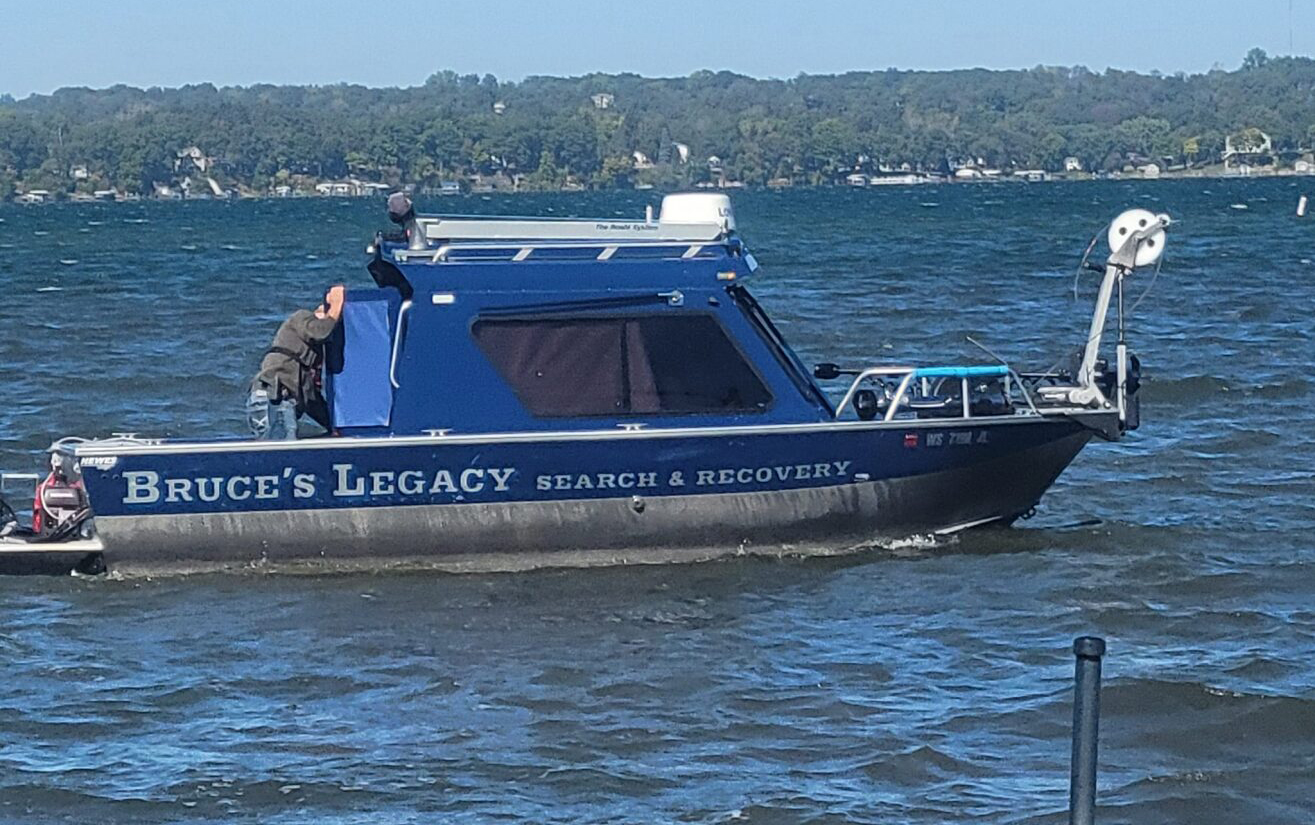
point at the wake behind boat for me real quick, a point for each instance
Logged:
(525, 392)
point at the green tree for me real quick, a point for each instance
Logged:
(615, 171)
(812, 127)
(833, 145)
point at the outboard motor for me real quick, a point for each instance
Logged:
(60, 506)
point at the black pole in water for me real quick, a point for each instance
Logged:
(1086, 719)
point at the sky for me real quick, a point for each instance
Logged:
(54, 43)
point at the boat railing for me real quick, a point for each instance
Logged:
(911, 384)
(20, 481)
(517, 250)
(440, 229)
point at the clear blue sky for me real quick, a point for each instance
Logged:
(52, 43)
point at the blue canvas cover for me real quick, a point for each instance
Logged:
(357, 366)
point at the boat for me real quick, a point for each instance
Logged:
(515, 393)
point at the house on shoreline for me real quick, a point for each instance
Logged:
(351, 188)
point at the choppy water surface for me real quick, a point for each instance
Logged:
(900, 685)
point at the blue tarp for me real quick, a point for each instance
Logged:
(358, 386)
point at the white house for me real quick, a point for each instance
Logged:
(194, 156)
(1149, 170)
(499, 107)
(603, 100)
(1304, 167)
(1248, 147)
(641, 160)
(336, 189)
(1072, 164)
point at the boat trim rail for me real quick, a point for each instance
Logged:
(115, 447)
(28, 479)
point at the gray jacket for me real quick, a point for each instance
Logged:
(291, 365)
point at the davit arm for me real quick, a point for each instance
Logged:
(1136, 239)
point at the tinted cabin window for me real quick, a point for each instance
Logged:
(561, 367)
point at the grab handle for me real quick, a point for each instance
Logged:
(397, 344)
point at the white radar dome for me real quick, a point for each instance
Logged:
(1139, 220)
(698, 207)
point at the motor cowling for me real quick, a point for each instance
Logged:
(60, 502)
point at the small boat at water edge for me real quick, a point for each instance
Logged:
(523, 392)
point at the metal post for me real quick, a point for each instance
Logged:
(1086, 717)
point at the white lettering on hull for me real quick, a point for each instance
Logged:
(725, 477)
(347, 482)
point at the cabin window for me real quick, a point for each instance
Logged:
(563, 367)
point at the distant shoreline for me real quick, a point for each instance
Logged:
(476, 135)
(49, 198)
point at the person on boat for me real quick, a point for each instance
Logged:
(288, 384)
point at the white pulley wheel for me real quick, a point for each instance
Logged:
(1138, 220)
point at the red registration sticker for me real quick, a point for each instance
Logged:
(910, 440)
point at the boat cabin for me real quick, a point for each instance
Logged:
(497, 324)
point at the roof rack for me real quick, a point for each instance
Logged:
(601, 250)
(440, 230)
(685, 217)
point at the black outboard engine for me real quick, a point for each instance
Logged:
(60, 507)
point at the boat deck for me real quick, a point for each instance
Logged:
(19, 556)
(10, 546)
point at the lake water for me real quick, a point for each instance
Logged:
(916, 684)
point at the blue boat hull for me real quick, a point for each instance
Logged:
(521, 501)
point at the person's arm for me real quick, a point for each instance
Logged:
(334, 299)
(320, 327)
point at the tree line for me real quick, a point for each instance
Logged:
(548, 131)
